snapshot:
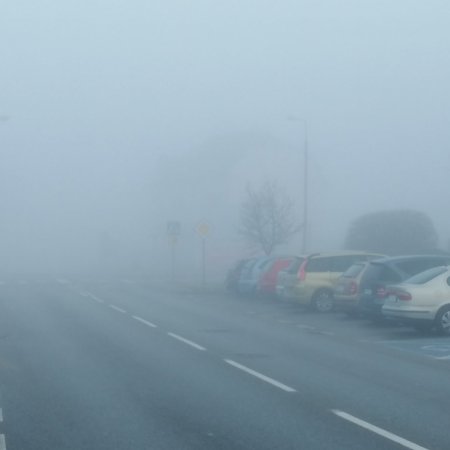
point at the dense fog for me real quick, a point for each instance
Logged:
(117, 117)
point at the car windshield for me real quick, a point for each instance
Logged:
(428, 275)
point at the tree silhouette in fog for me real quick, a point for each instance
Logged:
(267, 217)
(393, 233)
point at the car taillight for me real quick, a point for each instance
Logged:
(401, 294)
(381, 292)
(353, 288)
(302, 271)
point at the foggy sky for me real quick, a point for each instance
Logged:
(108, 107)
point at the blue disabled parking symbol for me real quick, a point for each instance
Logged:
(436, 348)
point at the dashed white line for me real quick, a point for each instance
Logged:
(265, 378)
(1, 415)
(187, 341)
(441, 358)
(116, 308)
(99, 300)
(2, 442)
(145, 322)
(386, 434)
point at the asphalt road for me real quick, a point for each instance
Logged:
(122, 365)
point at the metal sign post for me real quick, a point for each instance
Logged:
(173, 231)
(203, 230)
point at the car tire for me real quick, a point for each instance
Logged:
(322, 301)
(442, 321)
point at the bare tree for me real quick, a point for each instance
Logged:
(267, 217)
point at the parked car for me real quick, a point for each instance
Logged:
(347, 289)
(268, 279)
(313, 283)
(248, 281)
(287, 278)
(391, 270)
(423, 300)
(234, 274)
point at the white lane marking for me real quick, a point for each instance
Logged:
(2, 442)
(260, 376)
(386, 434)
(1, 415)
(99, 300)
(145, 322)
(84, 294)
(187, 341)
(441, 358)
(306, 327)
(117, 308)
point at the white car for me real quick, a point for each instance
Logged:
(423, 300)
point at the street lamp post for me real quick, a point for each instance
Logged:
(305, 182)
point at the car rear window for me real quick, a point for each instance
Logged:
(353, 271)
(295, 265)
(319, 265)
(377, 272)
(428, 275)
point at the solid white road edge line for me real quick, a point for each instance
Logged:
(187, 341)
(260, 376)
(386, 434)
(117, 308)
(2, 442)
(145, 322)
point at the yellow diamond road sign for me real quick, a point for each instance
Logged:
(203, 229)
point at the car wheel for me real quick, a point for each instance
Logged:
(442, 321)
(322, 301)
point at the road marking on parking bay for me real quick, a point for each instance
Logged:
(145, 322)
(186, 341)
(380, 431)
(265, 378)
(116, 308)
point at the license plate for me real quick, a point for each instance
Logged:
(392, 299)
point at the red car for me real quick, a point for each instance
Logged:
(268, 280)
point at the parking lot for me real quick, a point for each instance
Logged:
(336, 325)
